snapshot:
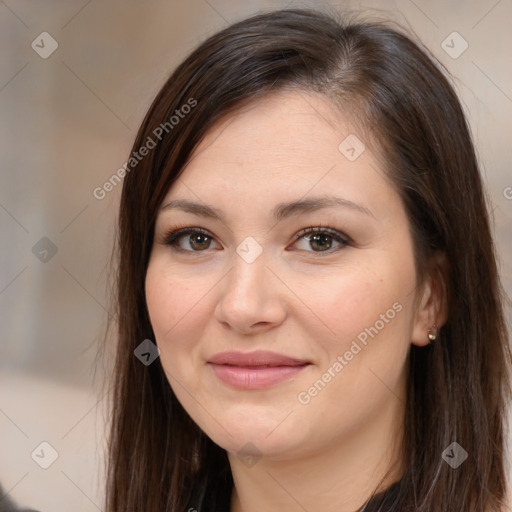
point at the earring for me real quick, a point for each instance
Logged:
(432, 333)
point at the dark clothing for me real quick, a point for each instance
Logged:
(7, 505)
(384, 501)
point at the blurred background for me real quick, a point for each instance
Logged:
(76, 78)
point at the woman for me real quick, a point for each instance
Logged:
(303, 234)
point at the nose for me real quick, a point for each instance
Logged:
(251, 297)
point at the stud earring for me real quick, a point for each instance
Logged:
(432, 333)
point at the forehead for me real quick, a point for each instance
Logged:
(285, 146)
(285, 130)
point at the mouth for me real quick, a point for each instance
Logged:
(255, 370)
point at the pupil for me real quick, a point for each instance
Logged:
(203, 239)
(322, 238)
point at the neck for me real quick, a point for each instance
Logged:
(341, 478)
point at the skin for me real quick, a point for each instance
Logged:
(295, 299)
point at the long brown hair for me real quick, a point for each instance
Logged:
(458, 387)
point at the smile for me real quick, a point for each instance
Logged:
(255, 370)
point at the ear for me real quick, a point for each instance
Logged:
(432, 309)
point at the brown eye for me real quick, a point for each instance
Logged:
(198, 241)
(321, 239)
(189, 240)
(322, 242)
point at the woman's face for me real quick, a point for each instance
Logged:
(279, 341)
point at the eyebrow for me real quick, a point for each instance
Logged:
(280, 212)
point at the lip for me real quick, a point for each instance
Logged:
(255, 370)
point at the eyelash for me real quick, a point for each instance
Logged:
(172, 236)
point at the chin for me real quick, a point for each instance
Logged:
(256, 432)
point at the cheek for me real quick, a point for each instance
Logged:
(364, 366)
(176, 308)
(369, 309)
(357, 300)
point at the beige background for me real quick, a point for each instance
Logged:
(67, 125)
